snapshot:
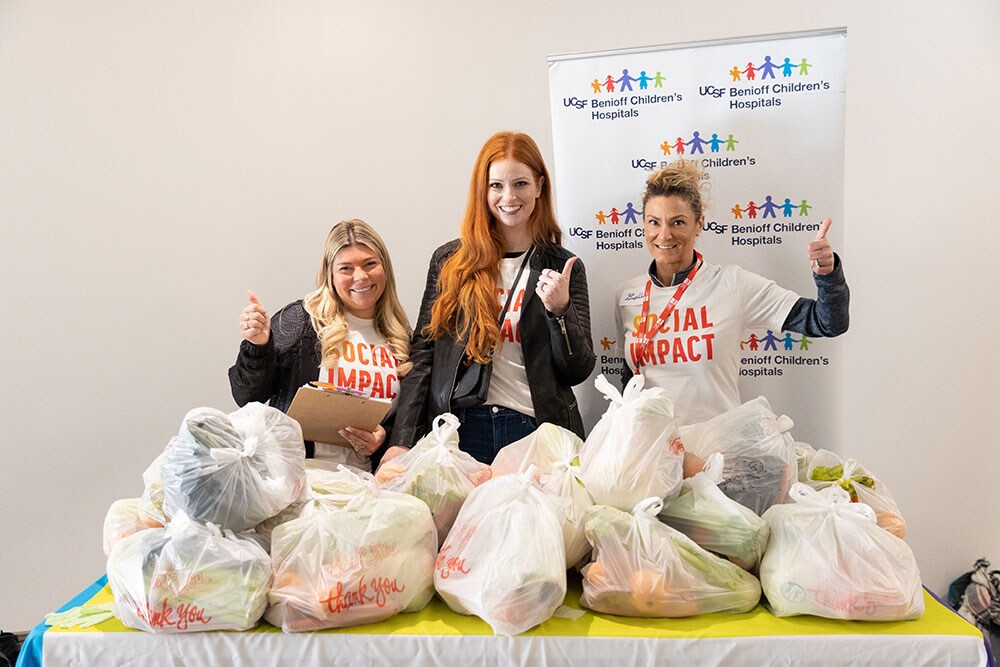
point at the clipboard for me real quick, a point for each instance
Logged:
(322, 411)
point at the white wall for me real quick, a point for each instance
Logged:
(159, 158)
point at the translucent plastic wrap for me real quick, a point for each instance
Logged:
(362, 563)
(151, 503)
(503, 560)
(826, 469)
(188, 577)
(554, 452)
(121, 521)
(642, 567)
(436, 471)
(804, 453)
(715, 521)
(234, 470)
(634, 452)
(760, 454)
(827, 557)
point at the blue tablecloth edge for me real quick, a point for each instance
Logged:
(31, 652)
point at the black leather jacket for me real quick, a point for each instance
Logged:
(558, 353)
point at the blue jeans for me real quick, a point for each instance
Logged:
(486, 429)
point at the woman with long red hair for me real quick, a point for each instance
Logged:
(504, 327)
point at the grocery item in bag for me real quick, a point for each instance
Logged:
(554, 452)
(151, 503)
(234, 470)
(635, 451)
(121, 521)
(642, 567)
(188, 577)
(361, 563)
(804, 453)
(826, 469)
(715, 521)
(326, 489)
(827, 557)
(760, 463)
(503, 560)
(436, 471)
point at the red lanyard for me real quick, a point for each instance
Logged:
(646, 339)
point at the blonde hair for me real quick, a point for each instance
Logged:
(683, 179)
(327, 313)
(467, 298)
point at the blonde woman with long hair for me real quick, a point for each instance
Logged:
(505, 294)
(351, 331)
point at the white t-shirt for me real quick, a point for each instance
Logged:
(365, 365)
(695, 354)
(509, 382)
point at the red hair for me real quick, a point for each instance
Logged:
(467, 297)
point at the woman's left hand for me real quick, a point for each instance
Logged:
(364, 442)
(821, 252)
(553, 288)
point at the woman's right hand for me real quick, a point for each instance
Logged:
(255, 324)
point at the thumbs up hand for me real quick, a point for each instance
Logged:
(255, 325)
(553, 287)
(821, 252)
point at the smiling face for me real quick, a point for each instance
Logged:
(511, 193)
(359, 279)
(671, 229)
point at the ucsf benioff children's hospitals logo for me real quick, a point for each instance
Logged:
(744, 87)
(613, 96)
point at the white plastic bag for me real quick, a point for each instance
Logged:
(634, 452)
(642, 567)
(827, 557)
(360, 563)
(826, 469)
(188, 577)
(151, 503)
(715, 521)
(327, 490)
(503, 560)
(760, 454)
(555, 454)
(436, 471)
(804, 453)
(234, 470)
(121, 521)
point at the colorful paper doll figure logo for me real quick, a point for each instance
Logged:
(696, 144)
(767, 69)
(769, 209)
(628, 215)
(626, 82)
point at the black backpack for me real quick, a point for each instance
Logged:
(9, 648)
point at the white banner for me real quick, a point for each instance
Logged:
(765, 118)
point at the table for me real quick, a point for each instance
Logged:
(438, 636)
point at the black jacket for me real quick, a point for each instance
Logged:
(558, 353)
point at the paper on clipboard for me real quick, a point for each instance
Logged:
(323, 412)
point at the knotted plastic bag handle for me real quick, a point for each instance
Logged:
(833, 498)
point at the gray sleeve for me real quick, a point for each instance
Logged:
(828, 314)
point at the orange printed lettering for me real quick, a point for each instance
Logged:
(518, 300)
(362, 358)
(378, 386)
(448, 565)
(364, 380)
(344, 380)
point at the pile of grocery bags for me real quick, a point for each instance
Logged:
(662, 519)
